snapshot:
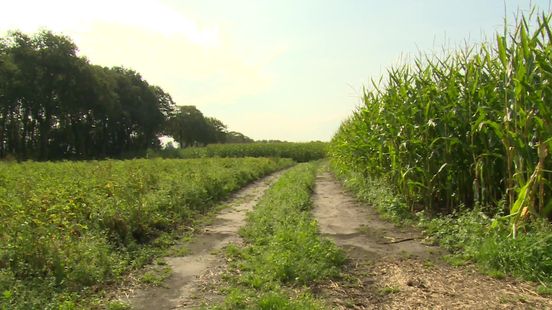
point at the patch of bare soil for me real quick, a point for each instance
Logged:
(390, 267)
(186, 273)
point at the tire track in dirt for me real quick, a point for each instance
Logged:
(358, 229)
(179, 289)
(390, 269)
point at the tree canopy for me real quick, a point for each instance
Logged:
(55, 104)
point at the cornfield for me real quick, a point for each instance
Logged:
(298, 151)
(472, 127)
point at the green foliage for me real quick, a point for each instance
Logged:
(156, 276)
(472, 236)
(544, 290)
(300, 152)
(284, 248)
(279, 300)
(467, 134)
(71, 226)
(54, 104)
(237, 137)
(389, 290)
(271, 300)
(473, 127)
(118, 305)
(189, 127)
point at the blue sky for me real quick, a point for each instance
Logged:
(271, 69)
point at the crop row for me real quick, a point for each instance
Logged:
(300, 152)
(473, 127)
(75, 225)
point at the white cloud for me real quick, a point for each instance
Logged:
(193, 74)
(286, 125)
(192, 59)
(78, 16)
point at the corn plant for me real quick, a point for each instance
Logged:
(472, 127)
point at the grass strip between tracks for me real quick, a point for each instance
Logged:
(284, 253)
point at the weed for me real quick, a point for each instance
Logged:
(472, 236)
(495, 274)
(429, 264)
(389, 290)
(118, 305)
(178, 251)
(71, 226)
(156, 276)
(544, 290)
(160, 262)
(283, 249)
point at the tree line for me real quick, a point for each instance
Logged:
(55, 104)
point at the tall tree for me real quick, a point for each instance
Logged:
(54, 104)
(217, 130)
(236, 137)
(188, 126)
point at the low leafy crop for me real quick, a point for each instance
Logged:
(70, 227)
(300, 152)
(284, 249)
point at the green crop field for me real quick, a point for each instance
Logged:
(300, 152)
(471, 128)
(70, 226)
(454, 148)
(467, 134)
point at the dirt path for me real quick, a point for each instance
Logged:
(391, 269)
(179, 289)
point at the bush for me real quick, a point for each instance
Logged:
(473, 236)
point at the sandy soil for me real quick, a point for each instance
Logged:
(178, 291)
(390, 267)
